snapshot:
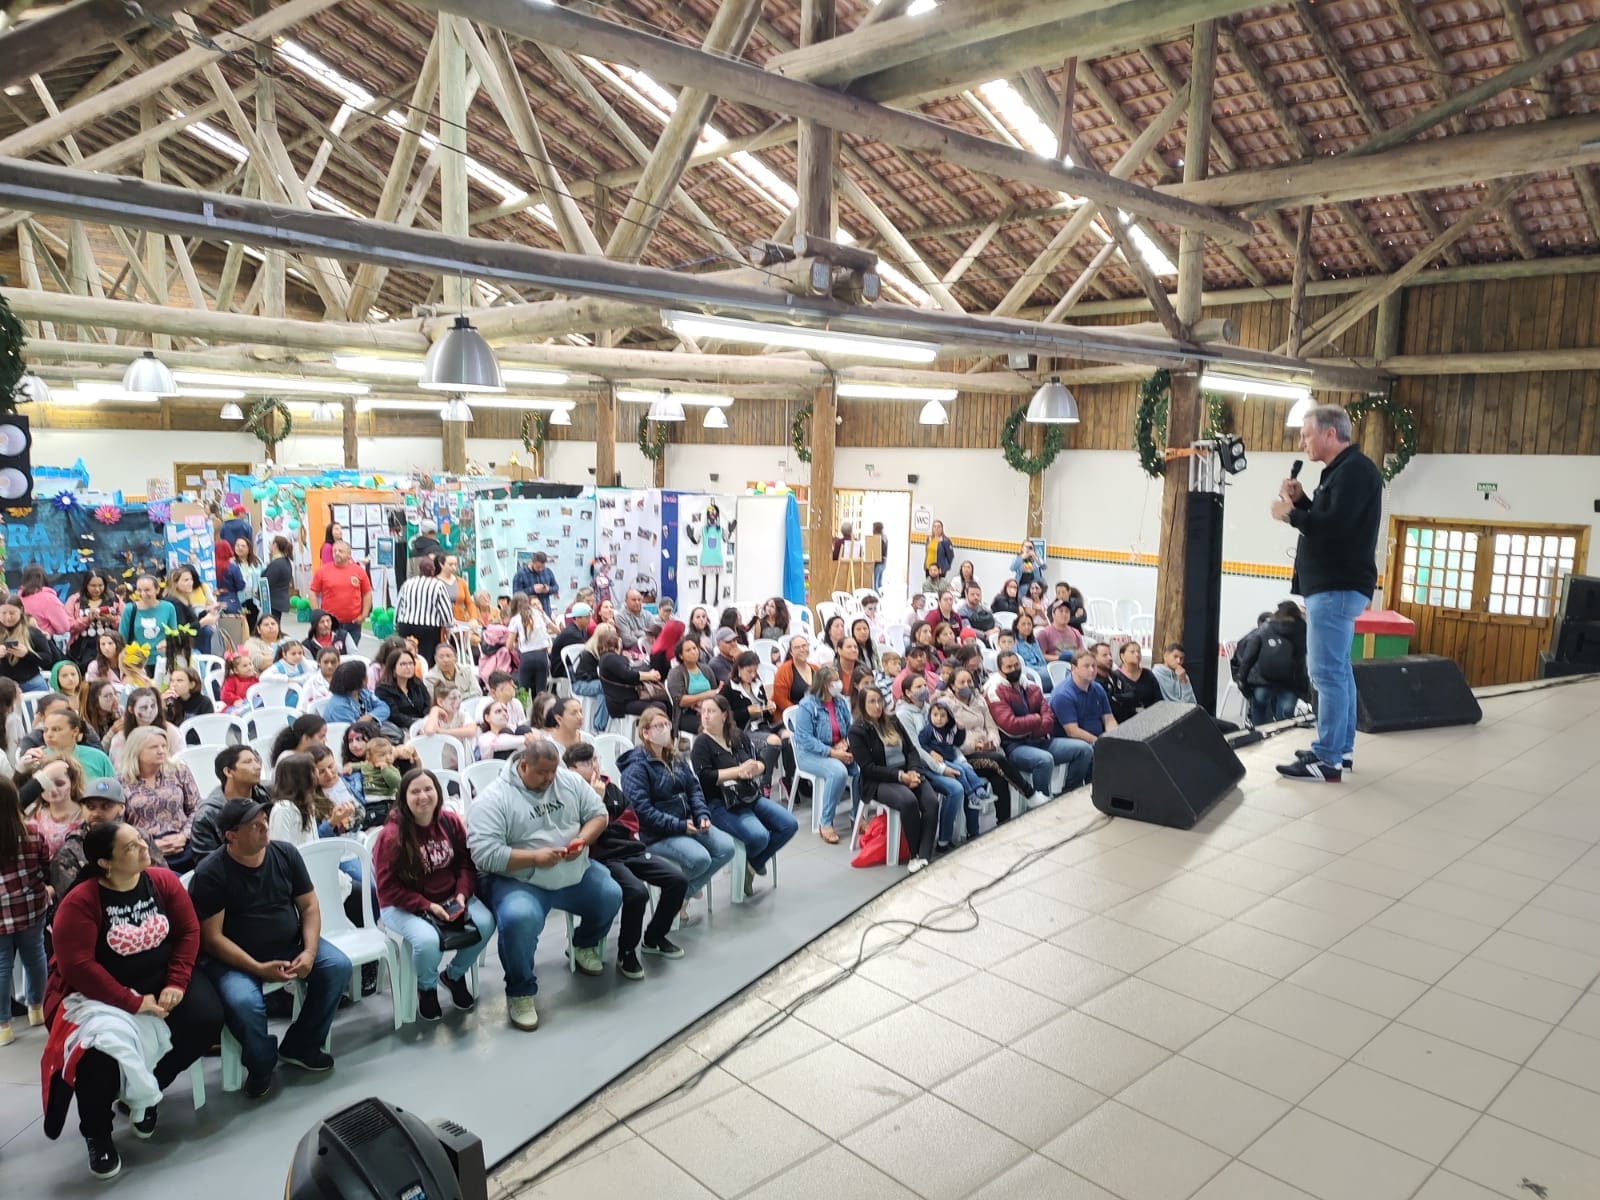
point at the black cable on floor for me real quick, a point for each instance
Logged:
(905, 930)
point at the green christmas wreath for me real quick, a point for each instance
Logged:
(1150, 421)
(798, 431)
(535, 428)
(652, 448)
(1017, 458)
(256, 421)
(1403, 420)
(11, 365)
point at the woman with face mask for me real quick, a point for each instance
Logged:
(982, 746)
(822, 746)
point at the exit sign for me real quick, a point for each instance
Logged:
(1486, 488)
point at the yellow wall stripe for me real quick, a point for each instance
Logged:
(1254, 570)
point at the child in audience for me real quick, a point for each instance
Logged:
(241, 677)
(107, 663)
(314, 689)
(941, 738)
(186, 696)
(380, 778)
(135, 658)
(445, 716)
(496, 738)
(24, 899)
(290, 662)
(890, 664)
(503, 691)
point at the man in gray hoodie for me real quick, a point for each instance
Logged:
(529, 834)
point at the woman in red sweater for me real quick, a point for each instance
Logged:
(426, 881)
(127, 936)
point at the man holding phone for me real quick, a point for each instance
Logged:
(529, 834)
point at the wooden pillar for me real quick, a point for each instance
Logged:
(1036, 505)
(274, 266)
(1297, 286)
(658, 470)
(1375, 437)
(155, 247)
(455, 446)
(819, 145)
(453, 198)
(348, 415)
(605, 436)
(1184, 412)
(819, 537)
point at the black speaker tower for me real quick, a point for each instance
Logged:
(1202, 596)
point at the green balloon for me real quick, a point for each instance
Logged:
(299, 493)
(294, 522)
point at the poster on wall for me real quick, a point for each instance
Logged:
(628, 541)
(91, 533)
(707, 538)
(191, 543)
(509, 532)
(763, 546)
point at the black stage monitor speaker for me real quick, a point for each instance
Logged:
(1577, 642)
(1551, 667)
(1167, 764)
(1580, 599)
(1417, 691)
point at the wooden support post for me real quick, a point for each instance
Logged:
(453, 137)
(605, 436)
(1036, 505)
(819, 536)
(1197, 151)
(455, 446)
(348, 422)
(819, 146)
(155, 265)
(658, 470)
(1297, 289)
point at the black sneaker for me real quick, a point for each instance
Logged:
(1311, 772)
(460, 993)
(145, 1127)
(428, 1004)
(310, 1060)
(369, 979)
(257, 1086)
(104, 1161)
(665, 947)
(1346, 766)
(628, 964)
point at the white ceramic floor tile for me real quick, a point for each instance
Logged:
(1153, 1013)
(1263, 1058)
(1442, 1185)
(617, 1172)
(1552, 1108)
(1058, 974)
(1102, 1056)
(1299, 923)
(1429, 925)
(1333, 1162)
(1359, 983)
(920, 1045)
(1519, 991)
(1113, 943)
(1398, 953)
(1205, 1104)
(991, 1090)
(1315, 1019)
(1165, 918)
(1037, 1176)
(1473, 1023)
(1506, 1158)
(935, 1149)
(1239, 1181)
(996, 1007)
(1134, 1156)
(698, 1140)
(1445, 1068)
(1270, 953)
(1031, 912)
(1207, 978)
(1575, 968)
(1389, 1111)
(835, 1089)
(833, 1172)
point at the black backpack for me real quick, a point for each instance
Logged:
(1275, 664)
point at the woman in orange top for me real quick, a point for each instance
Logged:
(793, 677)
(461, 604)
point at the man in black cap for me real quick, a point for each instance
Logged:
(720, 665)
(260, 924)
(102, 803)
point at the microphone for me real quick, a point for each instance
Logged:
(1294, 468)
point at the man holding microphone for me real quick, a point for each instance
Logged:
(1335, 570)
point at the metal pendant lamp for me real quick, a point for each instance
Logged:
(231, 412)
(1053, 404)
(1298, 412)
(149, 376)
(461, 361)
(32, 390)
(561, 416)
(716, 419)
(456, 409)
(933, 413)
(666, 407)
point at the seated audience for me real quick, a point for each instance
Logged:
(186, 696)
(263, 647)
(941, 738)
(673, 815)
(935, 584)
(400, 687)
(239, 778)
(325, 633)
(298, 736)
(946, 639)
(51, 800)
(793, 678)
(143, 710)
(982, 747)
(699, 628)
(529, 834)
(563, 723)
(101, 804)
(146, 619)
(720, 663)
(821, 745)
(260, 924)
(972, 611)
(574, 630)
(380, 778)
(502, 689)
(1026, 568)
(1132, 689)
(317, 687)
(621, 682)
(585, 680)
(125, 940)
(1077, 608)
(1172, 677)
(912, 715)
(94, 610)
(918, 665)
(239, 676)
(427, 886)
(161, 795)
(102, 709)
(1083, 712)
(754, 711)
(447, 669)
(622, 851)
(862, 634)
(1269, 665)
(664, 649)
(349, 699)
(66, 677)
(1104, 664)
(1027, 727)
(686, 683)
(632, 624)
(890, 774)
(730, 778)
(496, 737)
(1007, 599)
(106, 664)
(1059, 641)
(25, 652)
(61, 735)
(772, 622)
(291, 662)
(446, 717)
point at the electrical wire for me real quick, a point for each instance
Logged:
(929, 922)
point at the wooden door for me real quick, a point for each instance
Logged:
(1482, 593)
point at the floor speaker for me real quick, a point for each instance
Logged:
(1551, 667)
(1416, 691)
(1577, 642)
(1167, 765)
(1580, 599)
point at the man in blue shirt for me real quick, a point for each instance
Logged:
(1083, 711)
(538, 581)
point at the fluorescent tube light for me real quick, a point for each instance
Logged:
(881, 391)
(1244, 386)
(269, 384)
(822, 341)
(697, 399)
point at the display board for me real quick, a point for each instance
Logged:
(707, 537)
(92, 532)
(761, 538)
(628, 538)
(190, 541)
(509, 531)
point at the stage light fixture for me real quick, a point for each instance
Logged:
(1230, 453)
(16, 461)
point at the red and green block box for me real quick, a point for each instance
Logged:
(1382, 633)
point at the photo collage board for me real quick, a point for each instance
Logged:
(628, 542)
(698, 535)
(510, 530)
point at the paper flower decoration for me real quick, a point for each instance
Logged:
(159, 511)
(108, 514)
(65, 501)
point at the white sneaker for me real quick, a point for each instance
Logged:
(1038, 798)
(522, 1012)
(916, 864)
(588, 961)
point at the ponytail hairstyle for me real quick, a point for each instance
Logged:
(99, 841)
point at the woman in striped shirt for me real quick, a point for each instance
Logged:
(422, 609)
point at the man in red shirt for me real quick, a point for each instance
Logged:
(342, 590)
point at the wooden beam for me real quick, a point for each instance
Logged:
(605, 439)
(347, 430)
(896, 242)
(72, 31)
(970, 255)
(818, 211)
(672, 63)
(1297, 290)
(1352, 310)
(966, 42)
(1435, 163)
(1586, 38)
(819, 532)
(1081, 283)
(453, 104)
(127, 94)
(1196, 159)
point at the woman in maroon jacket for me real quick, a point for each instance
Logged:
(426, 879)
(126, 935)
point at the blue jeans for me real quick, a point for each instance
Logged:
(1330, 629)
(1041, 761)
(29, 944)
(833, 775)
(877, 577)
(952, 800)
(699, 856)
(244, 1008)
(37, 684)
(520, 910)
(423, 939)
(1272, 704)
(764, 827)
(592, 689)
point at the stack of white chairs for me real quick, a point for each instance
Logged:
(213, 729)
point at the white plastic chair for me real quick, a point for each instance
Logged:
(434, 749)
(211, 667)
(827, 610)
(1102, 614)
(1143, 629)
(1059, 670)
(213, 729)
(472, 708)
(896, 636)
(272, 692)
(202, 764)
(265, 722)
(569, 659)
(860, 596)
(263, 748)
(769, 650)
(405, 992)
(1005, 620)
(608, 747)
(360, 944)
(1127, 612)
(335, 740)
(801, 621)
(478, 776)
(232, 1066)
